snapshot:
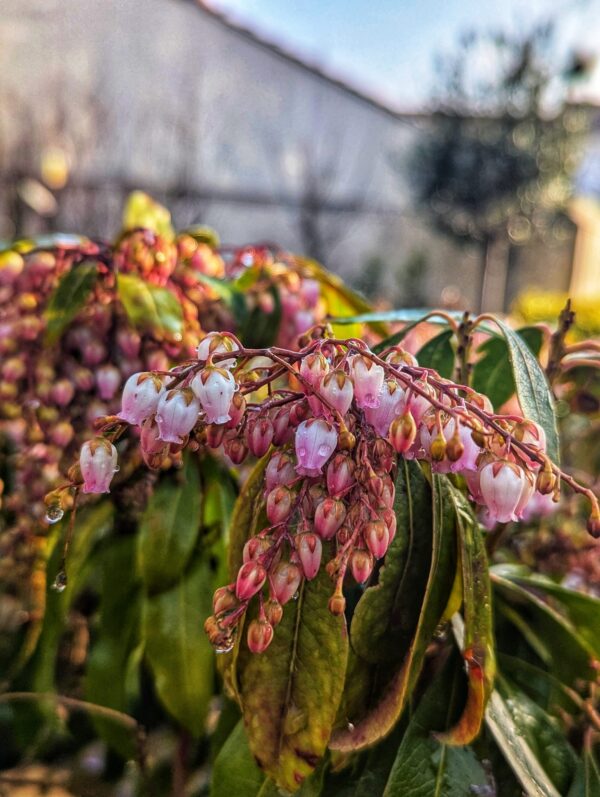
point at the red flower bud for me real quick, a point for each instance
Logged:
(403, 433)
(377, 537)
(309, 549)
(259, 435)
(361, 564)
(260, 635)
(329, 516)
(285, 580)
(250, 579)
(279, 504)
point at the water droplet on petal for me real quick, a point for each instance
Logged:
(54, 514)
(323, 450)
(60, 582)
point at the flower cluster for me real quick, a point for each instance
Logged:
(332, 419)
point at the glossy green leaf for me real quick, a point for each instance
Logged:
(235, 771)
(291, 692)
(114, 641)
(478, 641)
(426, 766)
(382, 718)
(169, 527)
(177, 649)
(549, 632)
(246, 513)
(587, 778)
(149, 307)
(438, 354)
(142, 211)
(543, 734)
(532, 387)
(493, 372)
(68, 298)
(412, 316)
(260, 329)
(386, 616)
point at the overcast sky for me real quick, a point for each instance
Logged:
(387, 47)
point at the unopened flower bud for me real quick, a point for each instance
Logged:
(250, 579)
(273, 612)
(361, 564)
(236, 450)
(259, 435)
(214, 435)
(282, 430)
(593, 525)
(237, 409)
(260, 635)
(224, 600)
(280, 470)
(377, 537)
(310, 549)
(546, 481)
(403, 432)
(437, 449)
(454, 448)
(329, 516)
(285, 580)
(340, 474)
(62, 392)
(254, 548)
(347, 441)
(98, 463)
(337, 604)
(279, 504)
(108, 379)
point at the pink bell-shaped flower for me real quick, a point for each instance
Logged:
(98, 463)
(140, 398)
(108, 379)
(316, 440)
(217, 343)
(313, 368)
(501, 484)
(391, 402)
(176, 414)
(214, 387)
(368, 381)
(338, 389)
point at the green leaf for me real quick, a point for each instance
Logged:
(478, 641)
(341, 300)
(543, 735)
(142, 211)
(387, 614)
(246, 513)
(438, 354)
(149, 307)
(425, 765)
(107, 680)
(235, 771)
(409, 316)
(169, 527)
(291, 692)
(548, 631)
(177, 650)
(379, 722)
(68, 298)
(493, 373)
(260, 329)
(587, 778)
(532, 387)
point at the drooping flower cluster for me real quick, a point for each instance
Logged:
(52, 391)
(333, 419)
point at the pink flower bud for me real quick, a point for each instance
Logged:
(416, 404)
(236, 450)
(259, 435)
(237, 410)
(62, 434)
(93, 353)
(403, 432)
(150, 441)
(140, 399)
(338, 389)
(108, 380)
(282, 429)
(98, 463)
(368, 381)
(501, 484)
(340, 474)
(129, 341)
(217, 343)
(279, 504)
(260, 635)
(14, 369)
(390, 520)
(377, 537)
(280, 470)
(176, 414)
(254, 548)
(391, 401)
(329, 516)
(315, 443)
(157, 361)
(83, 378)
(215, 388)
(251, 577)
(313, 368)
(361, 564)
(214, 435)
(310, 550)
(62, 392)
(285, 581)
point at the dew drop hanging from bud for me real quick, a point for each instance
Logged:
(54, 514)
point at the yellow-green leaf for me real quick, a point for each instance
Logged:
(149, 307)
(142, 211)
(68, 298)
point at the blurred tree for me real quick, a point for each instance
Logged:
(495, 168)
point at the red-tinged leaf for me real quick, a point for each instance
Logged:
(478, 651)
(382, 718)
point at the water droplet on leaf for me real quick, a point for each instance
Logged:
(54, 514)
(60, 582)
